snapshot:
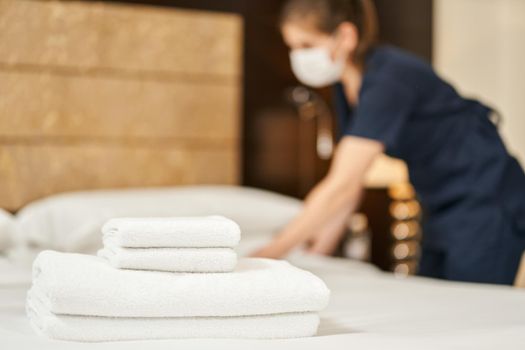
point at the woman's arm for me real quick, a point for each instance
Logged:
(326, 240)
(330, 201)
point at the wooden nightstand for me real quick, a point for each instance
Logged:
(391, 216)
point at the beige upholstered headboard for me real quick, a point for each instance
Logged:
(99, 95)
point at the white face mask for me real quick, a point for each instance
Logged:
(314, 67)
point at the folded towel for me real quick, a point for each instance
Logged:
(93, 329)
(170, 259)
(169, 232)
(86, 285)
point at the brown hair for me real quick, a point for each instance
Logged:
(327, 15)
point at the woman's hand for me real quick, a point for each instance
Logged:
(329, 203)
(272, 251)
(325, 242)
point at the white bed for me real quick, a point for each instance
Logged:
(368, 309)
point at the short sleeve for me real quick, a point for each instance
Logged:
(382, 112)
(342, 109)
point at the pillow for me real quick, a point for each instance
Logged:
(72, 221)
(7, 230)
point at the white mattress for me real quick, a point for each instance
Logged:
(368, 310)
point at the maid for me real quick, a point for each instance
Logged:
(471, 189)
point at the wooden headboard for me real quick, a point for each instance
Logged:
(98, 95)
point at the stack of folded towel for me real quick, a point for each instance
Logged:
(85, 298)
(184, 244)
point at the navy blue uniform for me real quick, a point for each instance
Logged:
(471, 190)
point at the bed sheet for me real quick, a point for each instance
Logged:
(368, 309)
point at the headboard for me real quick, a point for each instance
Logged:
(103, 95)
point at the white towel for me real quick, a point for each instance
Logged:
(170, 232)
(93, 329)
(86, 285)
(170, 259)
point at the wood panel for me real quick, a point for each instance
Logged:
(125, 37)
(43, 104)
(100, 95)
(28, 172)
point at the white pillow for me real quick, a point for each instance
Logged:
(72, 221)
(8, 230)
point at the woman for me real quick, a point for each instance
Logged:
(471, 190)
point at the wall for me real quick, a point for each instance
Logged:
(98, 95)
(479, 46)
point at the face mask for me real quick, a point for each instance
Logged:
(314, 67)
